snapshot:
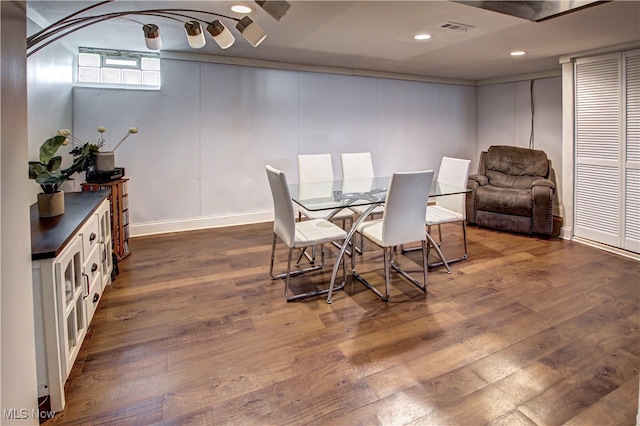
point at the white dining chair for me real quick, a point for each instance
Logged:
(402, 222)
(298, 235)
(357, 168)
(317, 168)
(358, 165)
(450, 208)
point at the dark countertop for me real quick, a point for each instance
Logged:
(50, 235)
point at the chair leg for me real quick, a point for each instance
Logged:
(388, 255)
(464, 236)
(273, 256)
(366, 283)
(466, 249)
(287, 275)
(408, 277)
(321, 291)
(445, 262)
(303, 253)
(425, 263)
(286, 280)
(389, 262)
(286, 285)
(289, 272)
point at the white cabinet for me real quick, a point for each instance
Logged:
(71, 265)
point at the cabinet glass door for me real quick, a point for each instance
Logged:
(106, 258)
(71, 287)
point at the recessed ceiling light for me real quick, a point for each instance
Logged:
(518, 53)
(240, 8)
(422, 36)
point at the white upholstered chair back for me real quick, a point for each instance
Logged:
(284, 220)
(315, 168)
(453, 171)
(405, 208)
(356, 165)
(357, 172)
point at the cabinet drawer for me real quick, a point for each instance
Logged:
(90, 234)
(94, 274)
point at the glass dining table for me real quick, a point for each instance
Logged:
(371, 192)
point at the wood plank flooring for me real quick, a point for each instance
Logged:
(527, 331)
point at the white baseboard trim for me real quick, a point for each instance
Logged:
(610, 249)
(566, 232)
(163, 227)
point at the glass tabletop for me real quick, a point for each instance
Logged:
(357, 192)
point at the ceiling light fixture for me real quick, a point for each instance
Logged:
(422, 36)
(518, 53)
(195, 35)
(152, 36)
(277, 9)
(191, 18)
(221, 34)
(241, 8)
(251, 31)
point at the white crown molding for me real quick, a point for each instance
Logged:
(227, 60)
(594, 52)
(522, 77)
(198, 57)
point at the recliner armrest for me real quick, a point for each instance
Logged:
(480, 179)
(543, 182)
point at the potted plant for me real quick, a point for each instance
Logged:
(105, 160)
(92, 159)
(47, 173)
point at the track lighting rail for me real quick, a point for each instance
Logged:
(191, 18)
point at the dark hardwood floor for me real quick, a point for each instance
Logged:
(527, 331)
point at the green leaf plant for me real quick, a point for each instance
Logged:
(47, 172)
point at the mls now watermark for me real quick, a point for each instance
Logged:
(23, 414)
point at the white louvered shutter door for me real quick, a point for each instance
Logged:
(598, 155)
(632, 152)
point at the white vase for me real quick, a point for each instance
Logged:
(51, 205)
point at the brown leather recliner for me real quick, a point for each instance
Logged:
(512, 191)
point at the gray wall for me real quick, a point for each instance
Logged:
(204, 139)
(206, 136)
(50, 74)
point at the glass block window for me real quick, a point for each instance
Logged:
(118, 68)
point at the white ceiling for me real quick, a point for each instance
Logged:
(378, 35)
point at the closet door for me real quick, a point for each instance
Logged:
(607, 181)
(598, 154)
(632, 151)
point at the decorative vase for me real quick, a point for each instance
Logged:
(51, 205)
(105, 161)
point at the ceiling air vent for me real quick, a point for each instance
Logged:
(463, 28)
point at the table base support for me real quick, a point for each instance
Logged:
(436, 247)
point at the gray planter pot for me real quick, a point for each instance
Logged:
(105, 161)
(51, 205)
